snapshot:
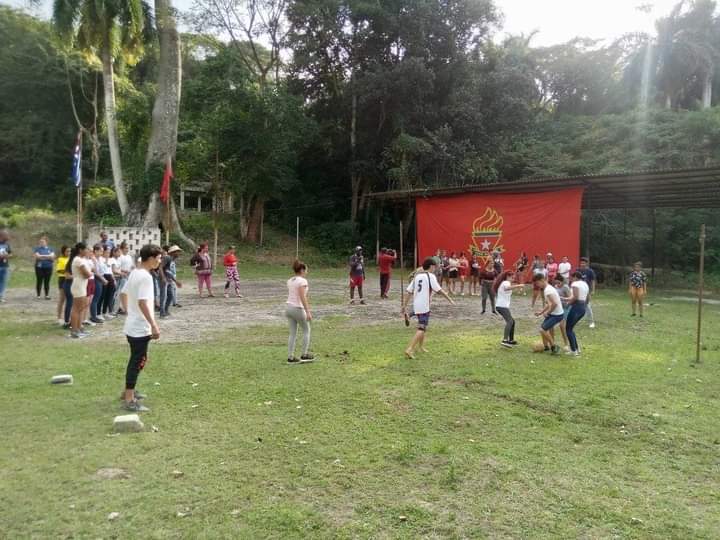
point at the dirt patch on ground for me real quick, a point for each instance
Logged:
(264, 304)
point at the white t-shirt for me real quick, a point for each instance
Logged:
(504, 293)
(126, 264)
(582, 289)
(102, 266)
(139, 287)
(112, 265)
(551, 292)
(294, 284)
(80, 282)
(564, 269)
(421, 289)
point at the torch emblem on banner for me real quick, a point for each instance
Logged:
(486, 235)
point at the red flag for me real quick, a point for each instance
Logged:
(165, 188)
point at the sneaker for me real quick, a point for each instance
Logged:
(108, 316)
(61, 322)
(89, 323)
(100, 318)
(512, 342)
(352, 302)
(307, 358)
(495, 312)
(293, 360)
(138, 395)
(362, 302)
(84, 333)
(506, 344)
(482, 312)
(566, 349)
(226, 295)
(66, 326)
(47, 298)
(134, 406)
(120, 312)
(576, 353)
(163, 315)
(238, 295)
(546, 349)
(177, 305)
(592, 325)
(555, 349)
(78, 335)
(407, 319)
(97, 321)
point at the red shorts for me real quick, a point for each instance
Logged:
(356, 281)
(91, 287)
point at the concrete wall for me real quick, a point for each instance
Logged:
(135, 237)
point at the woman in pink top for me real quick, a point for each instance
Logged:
(298, 313)
(202, 263)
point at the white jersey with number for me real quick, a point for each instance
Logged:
(421, 287)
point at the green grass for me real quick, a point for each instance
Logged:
(469, 441)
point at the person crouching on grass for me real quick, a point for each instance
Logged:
(553, 312)
(421, 288)
(138, 300)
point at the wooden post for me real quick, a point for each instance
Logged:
(415, 252)
(402, 267)
(654, 239)
(297, 237)
(79, 225)
(262, 224)
(700, 292)
(377, 235)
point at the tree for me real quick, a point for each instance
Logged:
(108, 29)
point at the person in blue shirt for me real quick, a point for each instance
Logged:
(105, 242)
(5, 255)
(44, 257)
(588, 276)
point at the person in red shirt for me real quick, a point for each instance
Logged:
(231, 272)
(386, 258)
(464, 273)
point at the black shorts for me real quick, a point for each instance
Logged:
(453, 273)
(61, 281)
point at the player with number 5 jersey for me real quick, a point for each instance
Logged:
(423, 285)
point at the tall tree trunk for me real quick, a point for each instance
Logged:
(256, 214)
(166, 113)
(354, 175)
(707, 90)
(668, 101)
(113, 138)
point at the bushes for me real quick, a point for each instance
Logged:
(101, 206)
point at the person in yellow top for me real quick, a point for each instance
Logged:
(60, 264)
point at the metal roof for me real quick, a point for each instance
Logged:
(675, 188)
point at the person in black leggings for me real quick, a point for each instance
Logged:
(44, 257)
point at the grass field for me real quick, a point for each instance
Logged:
(469, 441)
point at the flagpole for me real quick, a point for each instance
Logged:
(79, 189)
(167, 210)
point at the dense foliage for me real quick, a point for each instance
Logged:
(371, 96)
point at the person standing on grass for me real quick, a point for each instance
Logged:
(551, 266)
(503, 289)
(487, 279)
(230, 262)
(578, 302)
(100, 270)
(538, 269)
(565, 293)
(5, 256)
(140, 326)
(60, 265)
(81, 271)
(422, 286)
(553, 313)
(464, 268)
(43, 256)
(386, 259)
(298, 313)
(637, 287)
(564, 269)
(474, 276)
(202, 263)
(498, 261)
(453, 272)
(105, 308)
(589, 277)
(126, 265)
(357, 274)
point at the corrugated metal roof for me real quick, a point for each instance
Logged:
(668, 188)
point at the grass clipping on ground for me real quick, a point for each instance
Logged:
(468, 441)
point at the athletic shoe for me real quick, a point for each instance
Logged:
(61, 322)
(512, 342)
(226, 295)
(134, 406)
(177, 305)
(307, 358)
(407, 319)
(546, 349)
(506, 344)
(495, 312)
(576, 353)
(362, 302)
(566, 349)
(84, 333)
(47, 298)
(555, 350)
(592, 325)
(66, 326)
(78, 335)
(97, 321)
(138, 395)
(482, 312)
(89, 323)
(120, 312)
(164, 315)
(100, 318)
(238, 295)
(293, 360)
(108, 316)
(352, 302)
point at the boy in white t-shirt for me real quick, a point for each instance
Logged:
(138, 297)
(421, 288)
(553, 312)
(564, 269)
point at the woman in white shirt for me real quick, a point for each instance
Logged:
(503, 289)
(80, 267)
(578, 303)
(298, 313)
(453, 272)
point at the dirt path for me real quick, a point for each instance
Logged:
(264, 303)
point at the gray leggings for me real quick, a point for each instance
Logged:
(296, 317)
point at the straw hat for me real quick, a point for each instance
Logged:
(173, 249)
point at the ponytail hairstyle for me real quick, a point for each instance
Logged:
(498, 280)
(298, 266)
(74, 252)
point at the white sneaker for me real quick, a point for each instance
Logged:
(566, 349)
(88, 323)
(592, 325)
(101, 318)
(61, 322)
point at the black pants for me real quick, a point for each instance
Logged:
(384, 284)
(138, 357)
(42, 280)
(108, 297)
(487, 292)
(509, 333)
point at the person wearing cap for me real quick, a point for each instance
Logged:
(168, 280)
(357, 274)
(386, 259)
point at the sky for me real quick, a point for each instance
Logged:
(556, 21)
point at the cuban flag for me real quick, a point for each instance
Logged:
(77, 162)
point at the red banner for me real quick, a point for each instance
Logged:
(479, 223)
